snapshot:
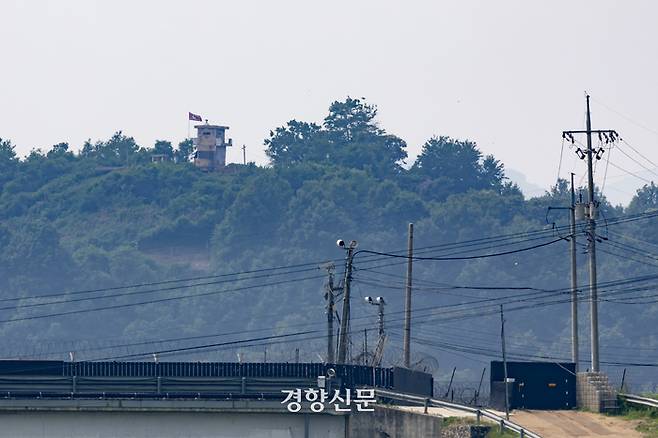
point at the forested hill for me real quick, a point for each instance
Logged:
(84, 223)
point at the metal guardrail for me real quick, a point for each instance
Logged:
(636, 399)
(478, 412)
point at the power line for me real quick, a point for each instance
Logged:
(158, 283)
(639, 153)
(480, 256)
(629, 172)
(530, 235)
(143, 292)
(635, 161)
(609, 108)
(298, 333)
(613, 221)
(161, 300)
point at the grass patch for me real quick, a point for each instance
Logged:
(493, 433)
(647, 418)
(452, 421)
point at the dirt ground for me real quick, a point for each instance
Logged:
(557, 424)
(565, 424)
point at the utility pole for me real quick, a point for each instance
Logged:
(380, 315)
(244, 154)
(574, 271)
(407, 298)
(365, 346)
(590, 153)
(379, 350)
(574, 279)
(380, 303)
(502, 339)
(329, 296)
(344, 323)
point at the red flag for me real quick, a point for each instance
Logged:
(194, 117)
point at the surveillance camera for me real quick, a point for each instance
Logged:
(368, 299)
(340, 243)
(353, 244)
(380, 300)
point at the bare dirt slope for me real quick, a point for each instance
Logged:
(565, 424)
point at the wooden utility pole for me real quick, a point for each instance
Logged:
(590, 154)
(502, 339)
(365, 346)
(379, 349)
(574, 279)
(344, 322)
(407, 298)
(329, 296)
(244, 154)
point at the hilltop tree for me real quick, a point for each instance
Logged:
(446, 166)
(163, 147)
(8, 161)
(60, 150)
(118, 150)
(184, 150)
(349, 137)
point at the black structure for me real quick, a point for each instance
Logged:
(20, 378)
(535, 385)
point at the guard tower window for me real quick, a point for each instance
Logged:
(205, 155)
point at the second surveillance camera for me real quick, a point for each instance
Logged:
(340, 243)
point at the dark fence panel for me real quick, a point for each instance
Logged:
(351, 375)
(216, 377)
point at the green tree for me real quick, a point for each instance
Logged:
(60, 150)
(446, 166)
(7, 151)
(163, 147)
(351, 119)
(8, 161)
(296, 143)
(349, 137)
(184, 150)
(645, 199)
(119, 150)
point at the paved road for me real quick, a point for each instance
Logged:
(566, 424)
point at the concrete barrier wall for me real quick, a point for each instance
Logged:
(390, 422)
(49, 424)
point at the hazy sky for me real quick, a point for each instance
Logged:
(510, 75)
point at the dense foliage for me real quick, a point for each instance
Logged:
(106, 216)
